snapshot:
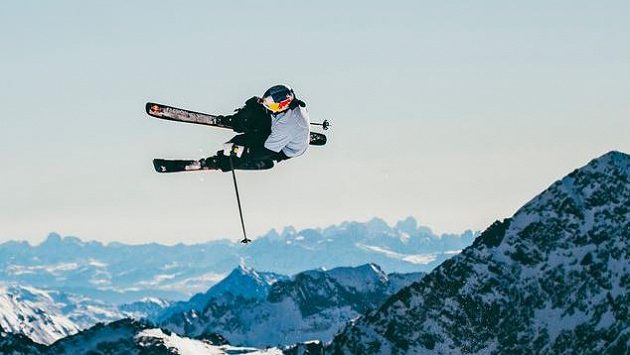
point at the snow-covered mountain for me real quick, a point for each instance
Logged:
(37, 314)
(241, 282)
(48, 315)
(311, 305)
(131, 337)
(119, 273)
(123, 337)
(554, 278)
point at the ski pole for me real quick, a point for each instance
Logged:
(324, 124)
(238, 201)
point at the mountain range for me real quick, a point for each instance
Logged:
(553, 278)
(120, 273)
(314, 304)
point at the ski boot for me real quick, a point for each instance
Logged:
(210, 163)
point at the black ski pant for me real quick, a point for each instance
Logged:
(254, 124)
(255, 157)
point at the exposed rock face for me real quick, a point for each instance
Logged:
(12, 343)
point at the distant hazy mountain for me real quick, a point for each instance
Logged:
(313, 304)
(553, 279)
(119, 273)
(145, 308)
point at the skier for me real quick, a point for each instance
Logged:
(272, 128)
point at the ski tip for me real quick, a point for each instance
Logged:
(153, 109)
(318, 139)
(158, 165)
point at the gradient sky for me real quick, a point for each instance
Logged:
(454, 112)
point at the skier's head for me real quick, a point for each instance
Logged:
(278, 98)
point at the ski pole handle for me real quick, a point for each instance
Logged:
(325, 125)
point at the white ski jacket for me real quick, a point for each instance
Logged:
(290, 132)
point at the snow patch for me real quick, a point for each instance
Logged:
(418, 259)
(187, 346)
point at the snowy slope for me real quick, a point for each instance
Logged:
(312, 305)
(48, 315)
(554, 278)
(34, 313)
(132, 337)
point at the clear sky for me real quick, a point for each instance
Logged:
(454, 112)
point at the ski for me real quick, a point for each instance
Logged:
(175, 166)
(170, 113)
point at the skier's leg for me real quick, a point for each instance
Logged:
(255, 157)
(221, 162)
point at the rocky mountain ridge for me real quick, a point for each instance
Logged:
(313, 304)
(554, 278)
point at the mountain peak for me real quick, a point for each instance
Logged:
(613, 162)
(241, 282)
(55, 239)
(603, 181)
(242, 267)
(52, 239)
(408, 225)
(614, 157)
(377, 226)
(367, 276)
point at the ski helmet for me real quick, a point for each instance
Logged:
(278, 98)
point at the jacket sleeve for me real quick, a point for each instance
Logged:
(251, 118)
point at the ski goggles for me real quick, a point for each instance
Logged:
(276, 107)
